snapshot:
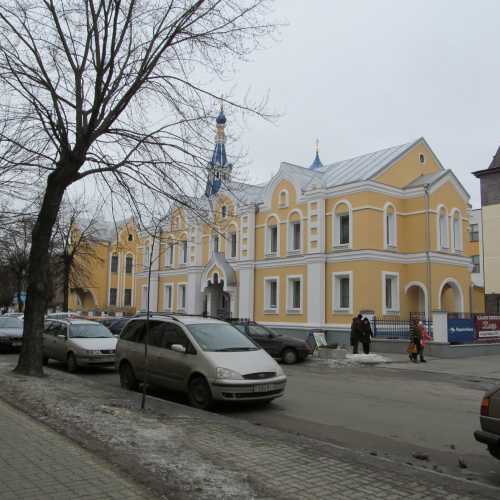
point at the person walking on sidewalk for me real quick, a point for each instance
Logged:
(424, 340)
(414, 346)
(366, 335)
(356, 333)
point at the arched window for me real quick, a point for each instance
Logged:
(342, 224)
(283, 199)
(443, 239)
(295, 231)
(390, 226)
(272, 236)
(457, 231)
(224, 211)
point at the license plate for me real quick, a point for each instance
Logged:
(265, 388)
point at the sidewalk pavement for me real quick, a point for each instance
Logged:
(38, 463)
(186, 453)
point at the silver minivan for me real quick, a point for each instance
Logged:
(78, 342)
(206, 358)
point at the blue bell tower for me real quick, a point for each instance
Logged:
(219, 170)
(316, 164)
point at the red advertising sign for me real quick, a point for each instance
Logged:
(488, 327)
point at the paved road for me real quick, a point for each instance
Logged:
(395, 412)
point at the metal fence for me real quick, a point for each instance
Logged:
(396, 328)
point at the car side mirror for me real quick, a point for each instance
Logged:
(178, 348)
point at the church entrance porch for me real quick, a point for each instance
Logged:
(217, 302)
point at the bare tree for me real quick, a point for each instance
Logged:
(15, 243)
(75, 239)
(111, 90)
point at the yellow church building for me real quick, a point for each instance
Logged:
(385, 232)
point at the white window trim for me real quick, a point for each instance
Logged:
(396, 303)
(169, 255)
(146, 258)
(336, 225)
(177, 307)
(289, 236)
(394, 243)
(169, 286)
(460, 247)
(232, 230)
(183, 258)
(336, 292)
(446, 245)
(267, 309)
(289, 296)
(286, 202)
(267, 239)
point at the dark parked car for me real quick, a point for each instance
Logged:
(115, 325)
(284, 347)
(490, 422)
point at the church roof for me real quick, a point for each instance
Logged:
(495, 162)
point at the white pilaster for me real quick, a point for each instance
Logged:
(316, 292)
(246, 291)
(440, 326)
(194, 298)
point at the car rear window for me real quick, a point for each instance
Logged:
(89, 331)
(10, 323)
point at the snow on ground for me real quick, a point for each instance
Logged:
(350, 360)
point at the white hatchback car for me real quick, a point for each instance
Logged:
(206, 358)
(78, 342)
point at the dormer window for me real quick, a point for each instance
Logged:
(422, 158)
(224, 212)
(130, 237)
(283, 199)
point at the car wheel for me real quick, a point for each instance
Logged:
(289, 356)
(199, 394)
(128, 379)
(71, 364)
(45, 360)
(494, 451)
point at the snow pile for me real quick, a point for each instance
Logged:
(367, 359)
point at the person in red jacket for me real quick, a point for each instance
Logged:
(424, 340)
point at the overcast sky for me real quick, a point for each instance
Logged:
(363, 75)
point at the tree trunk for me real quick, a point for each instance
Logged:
(66, 272)
(30, 359)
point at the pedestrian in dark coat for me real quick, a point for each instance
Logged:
(356, 333)
(415, 337)
(366, 335)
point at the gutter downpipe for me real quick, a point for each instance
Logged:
(427, 253)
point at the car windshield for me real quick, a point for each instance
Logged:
(221, 337)
(89, 331)
(10, 323)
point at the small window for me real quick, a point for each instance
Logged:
(169, 256)
(391, 293)
(421, 158)
(474, 232)
(215, 243)
(272, 234)
(127, 300)
(184, 251)
(294, 294)
(390, 227)
(283, 199)
(112, 296)
(168, 298)
(344, 229)
(295, 236)
(271, 294)
(181, 297)
(443, 229)
(476, 264)
(114, 264)
(233, 243)
(224, 211)
(342, 292)
(129, 262)
(457, 232)
(130, 237)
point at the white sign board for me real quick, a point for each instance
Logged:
(320, 339)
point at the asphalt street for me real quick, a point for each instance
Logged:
(389, 411)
